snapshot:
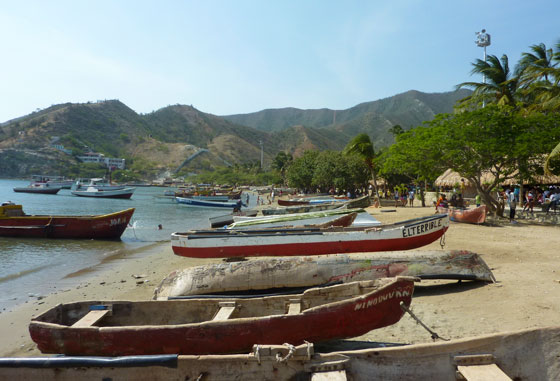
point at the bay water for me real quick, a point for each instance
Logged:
(32, 267)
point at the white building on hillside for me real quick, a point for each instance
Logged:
(109, 162)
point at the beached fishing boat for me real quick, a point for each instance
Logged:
(15, 223)
(471, 216)
(221, 221)
(219, 243)
(41, 188)
(197, 203)
(362, 219)
(213, 326)
(361, 202)
(498, 356)
(276, 274)
(95, 192)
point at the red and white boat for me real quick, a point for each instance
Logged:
(223, 325)
(219, 243)
(470, 216)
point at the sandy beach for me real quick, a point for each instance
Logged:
(524, 257)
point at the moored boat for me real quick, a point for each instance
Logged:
(197, 203)
(99, 183)
(41, 188)
(15, 223)
(471, 216)
(125, 193)
(219, 243)
(213, 326)
(275, 274)
(494, 355)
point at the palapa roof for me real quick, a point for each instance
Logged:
(450, 178)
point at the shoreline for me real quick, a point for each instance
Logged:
(524, 259)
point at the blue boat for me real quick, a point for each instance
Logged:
(197, 203)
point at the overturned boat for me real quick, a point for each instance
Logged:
(470, 216)
(277, 274)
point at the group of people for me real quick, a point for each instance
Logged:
(403, 197)
(548, 199)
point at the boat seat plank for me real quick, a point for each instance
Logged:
(294, 307)
(225, 311)
(483, 372)
(335, 375)
(90, 319)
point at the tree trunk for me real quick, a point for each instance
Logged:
(374, 177)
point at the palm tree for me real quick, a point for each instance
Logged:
(501, 84)
(362, 146)
(540, 75)
(555, 152)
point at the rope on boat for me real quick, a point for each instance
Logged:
(291, 351)
(435, 336)
(442, 241)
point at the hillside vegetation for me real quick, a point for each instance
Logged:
(159, 142)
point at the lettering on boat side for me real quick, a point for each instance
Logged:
(117, 221)
(421, 228)
(402, 293)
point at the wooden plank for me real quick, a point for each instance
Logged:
(295, 307)
(225, 311)
(483, 373)
(335, 375)
(91, 318)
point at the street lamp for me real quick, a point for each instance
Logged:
(483, 40)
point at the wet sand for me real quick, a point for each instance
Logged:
(525, 260)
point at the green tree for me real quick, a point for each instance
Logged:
(281, 162)
(362, 146)
(300, 172)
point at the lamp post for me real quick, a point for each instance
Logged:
(262, 154)
(483, 40)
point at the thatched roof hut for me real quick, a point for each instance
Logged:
(450, 178)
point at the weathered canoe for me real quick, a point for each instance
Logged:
(212, 326)
(272, 274)
(528, 355)
(219, 243)
(471, 216)
(191, 202)
(221, 221)
(15, 223)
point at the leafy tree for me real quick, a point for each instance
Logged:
(396, 130)
(300, 172)
(362, 146)
(331, 171)
(415, 155)
(281, 163)
(495, 139)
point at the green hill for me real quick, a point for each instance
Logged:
(161, 141)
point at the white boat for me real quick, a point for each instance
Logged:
(196, 203)
(96, 192)
(312, 218)
(98, 183)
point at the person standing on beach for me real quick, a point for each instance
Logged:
(411, 198)
(477, 200)
(512, 204)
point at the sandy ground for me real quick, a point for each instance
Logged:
(525, 260)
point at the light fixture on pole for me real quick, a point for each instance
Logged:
(483, 40)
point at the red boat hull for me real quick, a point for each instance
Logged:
(108, 226)
(470, 216)
(339, 320)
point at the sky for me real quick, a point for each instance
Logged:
(241, 56)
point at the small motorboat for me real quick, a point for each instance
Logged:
(41, 188)
(99, 193)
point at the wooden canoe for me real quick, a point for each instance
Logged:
(470, 216)
(212, 326)
(196, 203)
(221, 221)
(220, 243)
(528, 355)
(15, 223)
(273, 274)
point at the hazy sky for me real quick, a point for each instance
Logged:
(240, 56)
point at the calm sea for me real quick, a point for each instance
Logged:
(33, 267)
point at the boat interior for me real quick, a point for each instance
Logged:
(192, 311)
